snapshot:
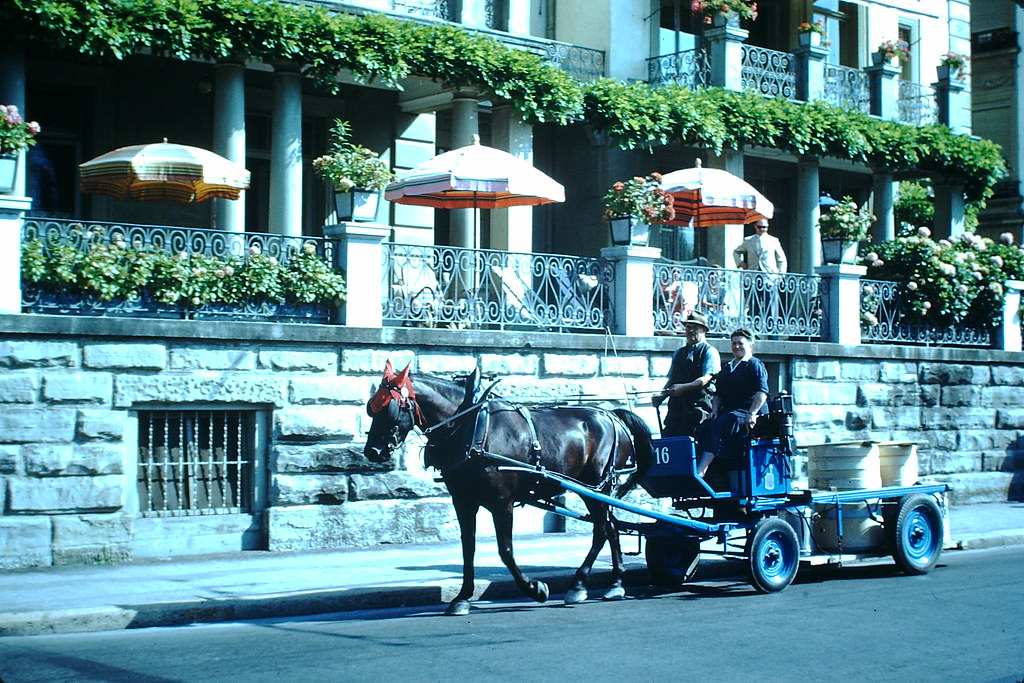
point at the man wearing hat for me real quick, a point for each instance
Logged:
(688, 387)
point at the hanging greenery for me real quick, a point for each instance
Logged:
(374, 47)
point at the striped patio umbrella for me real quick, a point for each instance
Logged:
(709, 196)
(163, 170)
(474, 177)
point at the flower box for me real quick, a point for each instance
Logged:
(8, 172)
(357, 205)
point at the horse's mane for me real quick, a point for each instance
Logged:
(452, 389)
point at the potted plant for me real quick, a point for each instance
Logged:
(889, 50)
(842, 228)
(15, 136)
(952, 64)
(812, 33)
(722, 12)
(356, 172)
(631, 206)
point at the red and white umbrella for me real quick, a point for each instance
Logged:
(709, 196)
(163, 170)
(474, 177)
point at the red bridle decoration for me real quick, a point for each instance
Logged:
(398, 387)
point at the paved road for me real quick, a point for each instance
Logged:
(866, 623)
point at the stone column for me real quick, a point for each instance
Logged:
(358, 251)
(723, 239)
(12, 91)
(883, 199)
(810, 72)
(807, 212)
(882, 82)
(949, 209)
(12, 214)
(1008, 336)
(229, 136)
(465, 124)
(954, 103)
(634, 287)
(725, 43)
(841, 299)
(512, 228)
(286, 153)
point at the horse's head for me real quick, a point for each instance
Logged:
(394, 412)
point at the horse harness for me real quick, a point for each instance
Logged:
(473, 446)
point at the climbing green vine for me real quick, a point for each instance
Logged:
(375, 47)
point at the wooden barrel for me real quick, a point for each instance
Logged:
(898, 463)
(844, 466)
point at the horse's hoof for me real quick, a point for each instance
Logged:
(540, 591)
(458, 608)
(575, 596)
(615, 593)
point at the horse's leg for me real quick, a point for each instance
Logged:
(616, 591)
(466, 514)
(598, 513)
(538, 590)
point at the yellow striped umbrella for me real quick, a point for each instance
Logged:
(163, 170)
(709, 196)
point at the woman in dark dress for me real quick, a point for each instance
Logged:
(739, 401)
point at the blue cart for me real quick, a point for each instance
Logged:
(752, 513)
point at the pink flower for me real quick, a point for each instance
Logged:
(229, 271)
(1006, 238)
(912, 286)
(923, 231)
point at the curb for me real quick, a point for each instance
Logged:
(435, 594)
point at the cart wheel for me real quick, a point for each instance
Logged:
(916, 534)
(672, 561)
(773, 553)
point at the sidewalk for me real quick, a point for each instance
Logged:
(252, 585)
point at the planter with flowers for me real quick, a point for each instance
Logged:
(812, 33)
(631, 206)
(890, 52)
(952, 65)
(723, 12)
(842, 229)
(358, 175)
(16, 135)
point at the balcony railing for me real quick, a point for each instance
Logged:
(769, 72)
(769, 304)
(457, 287)
(689, 68)
(916, 103)
(847, 88)
(883, 322)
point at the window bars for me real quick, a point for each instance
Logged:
(195, 462)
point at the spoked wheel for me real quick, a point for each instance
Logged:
(915, 533)
(773, 555)
(672, 561)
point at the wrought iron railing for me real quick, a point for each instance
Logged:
(689, 68)
(847, 88)
(485, 288)
(58, 237)
(916, 103)
(769, 72)
(769, 304)
(882, 321)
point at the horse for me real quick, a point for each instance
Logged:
(487, 451)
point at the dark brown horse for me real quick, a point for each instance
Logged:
(485, 462)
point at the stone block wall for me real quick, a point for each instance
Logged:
(71, 388)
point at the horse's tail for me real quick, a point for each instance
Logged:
(643, 449)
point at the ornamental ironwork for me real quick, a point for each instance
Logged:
(847, 88)
(769, 72)
(688, 68)
(882, 321)
(916, 103)
(582, 63)
(768, 304)
(484, 288)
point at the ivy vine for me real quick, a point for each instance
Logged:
(374, 47)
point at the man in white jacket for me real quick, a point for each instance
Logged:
(762, 252)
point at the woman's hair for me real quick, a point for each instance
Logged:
(742, 332)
